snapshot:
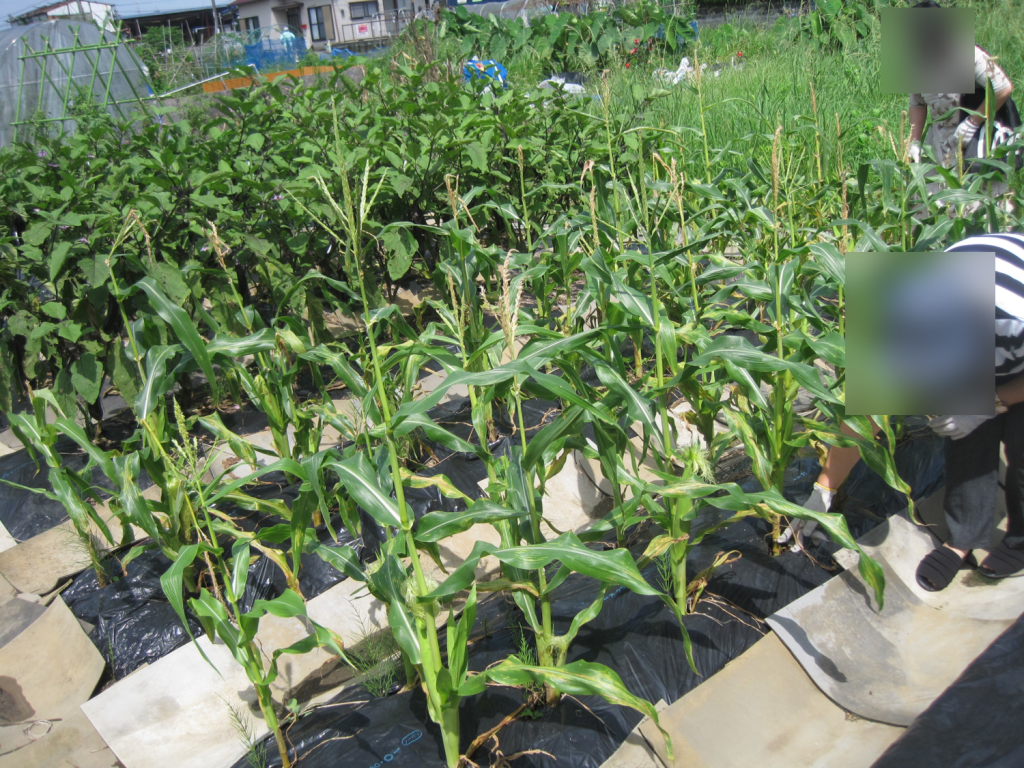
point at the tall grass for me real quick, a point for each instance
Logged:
(774, 88)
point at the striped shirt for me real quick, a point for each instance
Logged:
(1009, 251)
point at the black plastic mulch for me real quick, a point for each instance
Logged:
(977, 720)
(636, 636)
(134, 623)
(26, 514)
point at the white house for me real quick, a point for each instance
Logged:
(102, 15)
(324, 23)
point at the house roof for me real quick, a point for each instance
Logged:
(130, 9)
(126, 9)
(41, 9)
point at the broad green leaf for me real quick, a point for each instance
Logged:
(55, 310)
(835, 525)
(831, 348)
(435, 526)
(435, 432)
(231, 347)
(538, 352)
(614, 566)
(241, 447)
(64, 391)
(580, 678)
(742, 353)
(124, 373)
(216, 623)
(638, 407)
(442, 483)
(387, 583)
(480, 379)
(740, 425)
(184, 329)
(343, 559)
(157, 382)
(172, 584)
(359, 479)
(566, 423)
(830, 261)
(289, 466)
(98, 456)
(636, 304)
(401, 247)
(239, 569)
(551, 387)
(458, 640)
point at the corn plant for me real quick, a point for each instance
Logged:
(73, 489)
(239, 635)
(219, 611)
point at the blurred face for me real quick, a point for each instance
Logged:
(920, 336)
(927, 50)
(934, 323)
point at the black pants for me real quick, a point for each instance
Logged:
(972, 482)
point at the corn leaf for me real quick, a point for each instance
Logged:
(435, 526)
(580, 678)
(184, 329)
(358, 477)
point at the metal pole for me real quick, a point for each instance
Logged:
(213, 5)
(21, 87)
(138, 99)
(70, 76)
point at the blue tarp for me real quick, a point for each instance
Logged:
(484, 70)
(270, 53)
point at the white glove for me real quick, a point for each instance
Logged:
(914, 151)
(819, 501)
(956, 427)
(965, 132)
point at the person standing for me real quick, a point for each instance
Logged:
(971, 447)
(953, 129)
(288, 38)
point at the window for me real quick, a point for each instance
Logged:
(251, 23)
(321, 23)
(362, 10)
(295, 20)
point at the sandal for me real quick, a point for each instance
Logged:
(939, 568)
(1003, 561)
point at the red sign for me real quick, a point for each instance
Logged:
(363, 29)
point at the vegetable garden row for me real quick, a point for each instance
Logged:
(594, 257)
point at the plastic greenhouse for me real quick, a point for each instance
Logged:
(49, 69)
(530, 9)
(510, 9)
